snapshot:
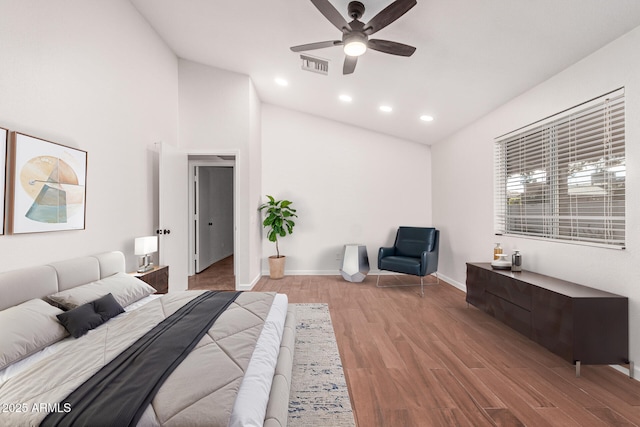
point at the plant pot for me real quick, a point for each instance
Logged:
(276, 267)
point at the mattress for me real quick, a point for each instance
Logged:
(249, 407)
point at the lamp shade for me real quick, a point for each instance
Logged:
(146, 245)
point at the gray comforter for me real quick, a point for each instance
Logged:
(201, 391)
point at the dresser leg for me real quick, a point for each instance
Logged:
(577, 369)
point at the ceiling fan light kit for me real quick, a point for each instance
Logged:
(355, 47)
(355, 34)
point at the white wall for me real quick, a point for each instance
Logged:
(349, 185)
(214, 107)
(93, 76)
(218, 112)
(463, 195)
(255, 184)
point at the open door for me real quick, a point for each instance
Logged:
(173, 187)
(213, 214)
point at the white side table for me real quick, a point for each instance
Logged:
(355, 263)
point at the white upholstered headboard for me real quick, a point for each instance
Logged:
(18, 286)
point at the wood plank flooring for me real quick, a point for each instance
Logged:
(433, 361)
(217, 277)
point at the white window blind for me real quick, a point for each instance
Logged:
(563, 178)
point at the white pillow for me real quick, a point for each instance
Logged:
(27, 328)
(125, 288)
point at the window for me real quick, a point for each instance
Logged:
(563, 178)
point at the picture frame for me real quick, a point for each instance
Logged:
(48, 186)
(4, 143)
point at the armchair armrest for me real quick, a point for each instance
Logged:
(428, 262)
(385, 252)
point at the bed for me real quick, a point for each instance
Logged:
(234, 372)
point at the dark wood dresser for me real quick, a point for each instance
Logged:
(580, 324)
(158, 277)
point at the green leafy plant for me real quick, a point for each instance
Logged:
(277, 219)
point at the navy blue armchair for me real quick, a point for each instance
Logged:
(414, 252)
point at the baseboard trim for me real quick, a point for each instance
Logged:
(447, 279)
(248, 286)
(453, 283)
(626, 371)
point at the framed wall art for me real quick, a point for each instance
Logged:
(4, 140)
(49, 186)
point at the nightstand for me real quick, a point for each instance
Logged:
(158, 278)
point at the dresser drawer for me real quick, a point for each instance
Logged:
(515, 316)
(504, 286)
(511, 290)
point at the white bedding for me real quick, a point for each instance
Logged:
(251, 404)
(253, 395)
(16, 368)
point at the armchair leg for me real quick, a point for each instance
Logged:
(397, 286)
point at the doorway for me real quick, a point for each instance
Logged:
(211, 234)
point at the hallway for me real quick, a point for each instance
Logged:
(217, 277)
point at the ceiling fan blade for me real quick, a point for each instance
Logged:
(331, 14)
(394, 48)
(349, 64)
(387, 15)
(318, 45)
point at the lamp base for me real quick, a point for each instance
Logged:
(145, 268)
(145, 264)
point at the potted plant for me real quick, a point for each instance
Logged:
(278, 222)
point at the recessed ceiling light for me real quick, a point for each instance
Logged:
(281, 82)
(345, 98)
(426, 118)
(386, 108)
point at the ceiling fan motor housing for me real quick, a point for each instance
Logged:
(355, 9)
(354, 37)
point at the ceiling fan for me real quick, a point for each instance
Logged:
(355, 34)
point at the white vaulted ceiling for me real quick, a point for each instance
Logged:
(472, 55)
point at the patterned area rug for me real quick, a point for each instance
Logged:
(319, 395)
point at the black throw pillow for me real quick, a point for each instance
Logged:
(89, 316)
(80, 320)
(107, 307)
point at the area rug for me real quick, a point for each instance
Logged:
(319, 394)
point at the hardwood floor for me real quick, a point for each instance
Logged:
(217, 277)
(431, 361)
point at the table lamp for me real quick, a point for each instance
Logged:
(144, 247)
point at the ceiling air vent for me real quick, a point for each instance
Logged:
(317, 65)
